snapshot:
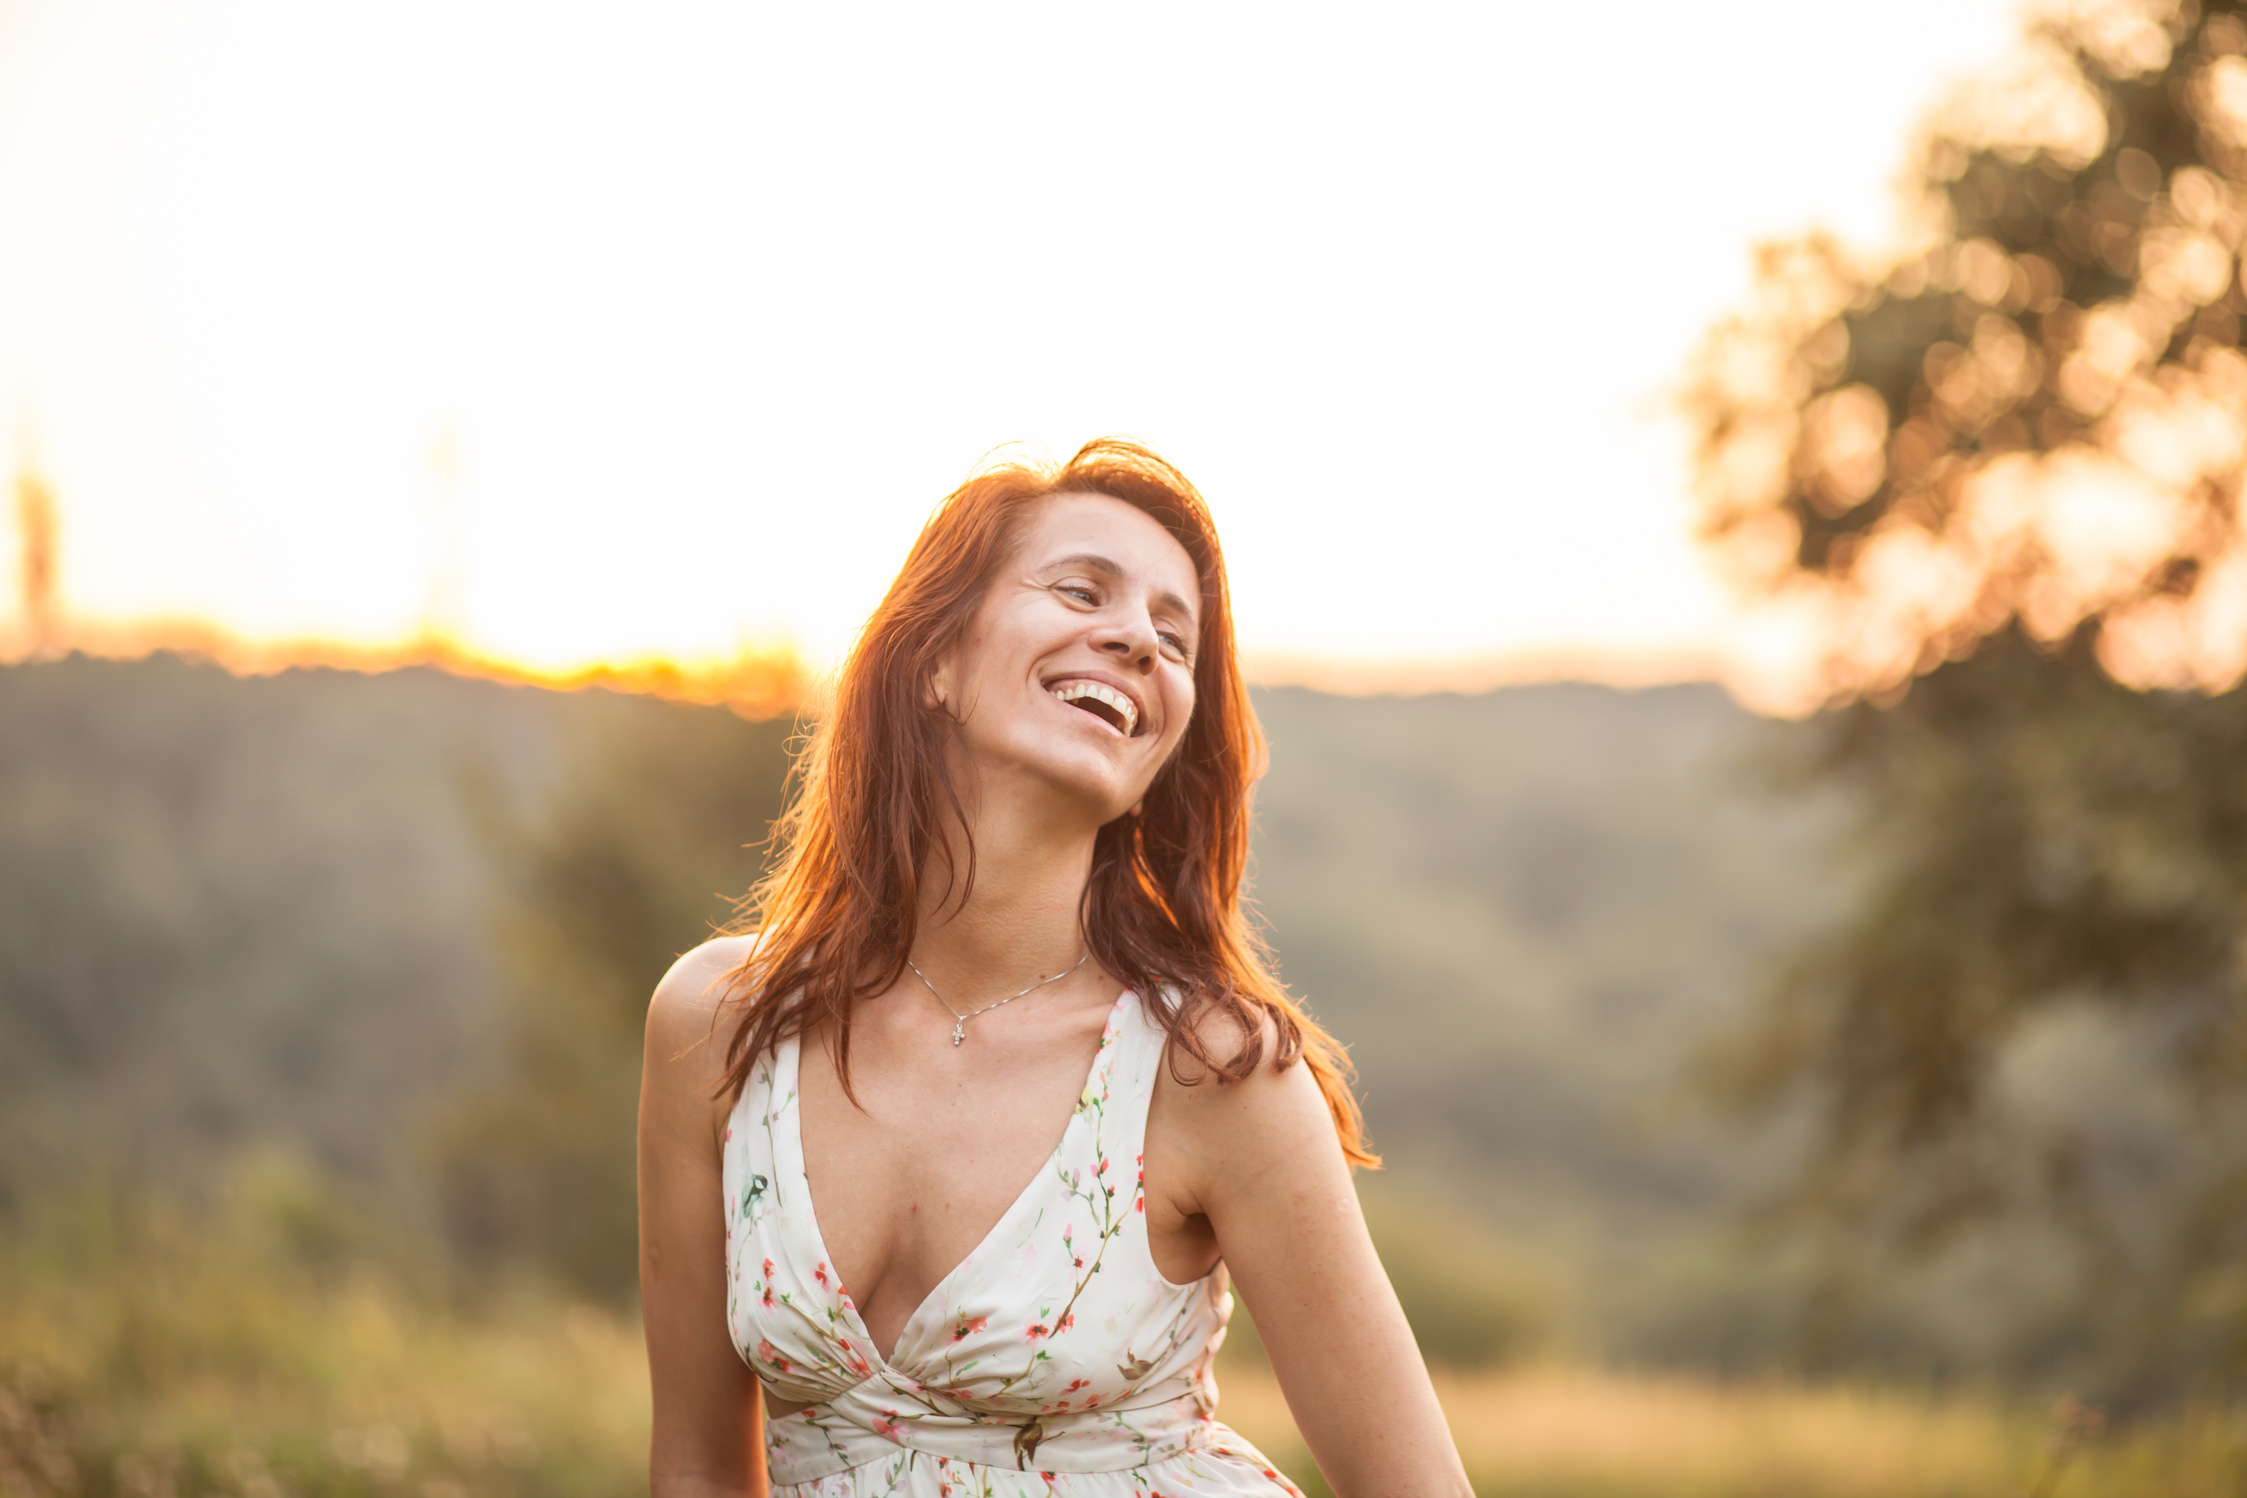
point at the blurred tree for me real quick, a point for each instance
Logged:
(36, 565)
(638, 856)
(2000, 479)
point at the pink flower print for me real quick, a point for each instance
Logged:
(768, 1269)
(856, 1361)
(768, 1295)
(886, 1424)
(1102, 1168)
(1064, 1323)
(729, 1133)
(770, 1355)
(1076, 1383)
(1035, 1332)
(820, 1274)
(969, 1326)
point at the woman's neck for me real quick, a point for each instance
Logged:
(1021, 919)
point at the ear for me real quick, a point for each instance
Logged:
(1138, 808)
(936, 688)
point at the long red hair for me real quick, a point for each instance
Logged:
(872, 800)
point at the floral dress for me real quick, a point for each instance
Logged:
(1055, 1359)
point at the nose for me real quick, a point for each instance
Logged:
(1130, 642)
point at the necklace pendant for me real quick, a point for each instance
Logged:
(959, 1031)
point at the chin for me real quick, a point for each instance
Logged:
(1103, 803)
(1104, 795)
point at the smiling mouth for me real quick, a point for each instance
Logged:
(1105, 703)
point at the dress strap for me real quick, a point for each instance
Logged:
(1134, 1061)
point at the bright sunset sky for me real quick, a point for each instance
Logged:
(600, 331)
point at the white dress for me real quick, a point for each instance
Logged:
(1055, 1359)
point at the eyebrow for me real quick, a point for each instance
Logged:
(1095, 563)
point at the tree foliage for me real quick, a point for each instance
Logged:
(2000, 478)
(640, 854)
(2037, 417)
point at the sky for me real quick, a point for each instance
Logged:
(585, 333)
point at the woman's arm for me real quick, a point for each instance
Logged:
(1259, 1159)
(709, 1424)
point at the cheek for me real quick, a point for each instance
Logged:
(1181, 713)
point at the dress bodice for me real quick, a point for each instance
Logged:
(1055, 1347)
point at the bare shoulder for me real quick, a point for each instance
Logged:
(1221, 1128)
(683, 1014)
(1225, 1037)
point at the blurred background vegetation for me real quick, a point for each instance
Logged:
(1850, 1106)
(323, 990)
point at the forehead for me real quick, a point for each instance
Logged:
(1104, 527)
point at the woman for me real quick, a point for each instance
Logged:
(1007, 913)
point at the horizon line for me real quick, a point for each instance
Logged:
(766, 680)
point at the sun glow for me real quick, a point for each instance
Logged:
(545, 337)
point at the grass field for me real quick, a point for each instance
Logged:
(356, 1391)
(374, 1398)
(1559, 1432)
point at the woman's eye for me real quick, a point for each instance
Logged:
(1077, 591)
(1177, 645)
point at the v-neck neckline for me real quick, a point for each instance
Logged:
(795, 1139)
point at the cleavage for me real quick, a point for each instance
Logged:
(946, 1142)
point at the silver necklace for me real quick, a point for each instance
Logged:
(959, 1020)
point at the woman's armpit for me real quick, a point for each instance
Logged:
(777, 1408)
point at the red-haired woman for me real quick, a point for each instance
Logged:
(1004, 943)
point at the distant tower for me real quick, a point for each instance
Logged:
(443, 602)
(36, 571)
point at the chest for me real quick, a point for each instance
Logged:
(939, 1144)
(1055, 1308)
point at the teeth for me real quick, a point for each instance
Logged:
(1071, 691)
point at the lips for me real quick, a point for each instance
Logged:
(1103, 702)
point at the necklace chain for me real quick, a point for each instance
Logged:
(959, 1020)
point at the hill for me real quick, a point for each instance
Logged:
(403, 925)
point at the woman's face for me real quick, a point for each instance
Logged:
(1077, 671)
